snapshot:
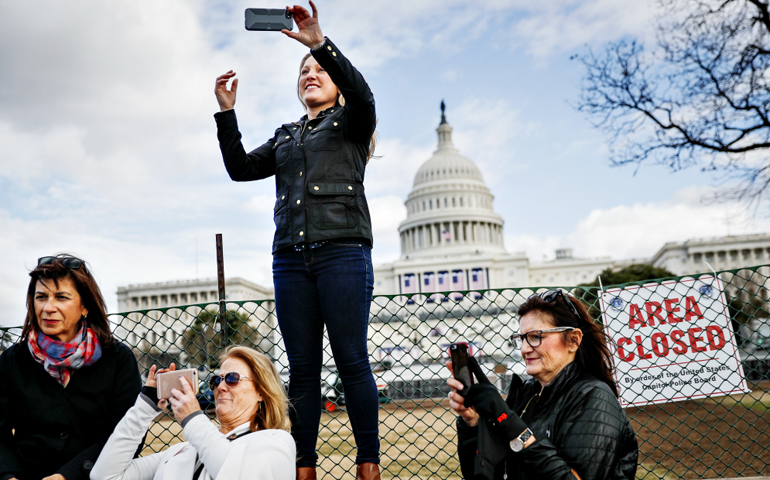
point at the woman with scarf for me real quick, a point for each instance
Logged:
(67, 382)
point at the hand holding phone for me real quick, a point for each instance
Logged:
(459, 354)
(168, 380)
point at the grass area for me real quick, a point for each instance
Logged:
(708, 438)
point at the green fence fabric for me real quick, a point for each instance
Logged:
(693, 357)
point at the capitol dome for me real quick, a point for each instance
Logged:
(449, 210)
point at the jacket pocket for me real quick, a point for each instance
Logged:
(333, 205)
(326, 136)
(281, 214)
(282, 147)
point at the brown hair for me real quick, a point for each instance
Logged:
(90, 296)
(274, 411)
(340, 102)
(593, 355)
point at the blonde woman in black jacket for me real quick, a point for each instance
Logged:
(566, 421)
(322, 267)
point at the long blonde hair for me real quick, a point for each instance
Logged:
(340, 102)
(273, 413)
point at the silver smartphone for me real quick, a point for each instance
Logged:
(168, 380)
(269, 19)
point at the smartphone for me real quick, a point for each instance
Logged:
(168, 380)
(459, 353)
(269, 19)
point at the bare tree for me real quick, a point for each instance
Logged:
(700, 98)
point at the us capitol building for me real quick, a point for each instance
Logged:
(451, 240)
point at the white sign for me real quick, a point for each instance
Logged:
(673, 341)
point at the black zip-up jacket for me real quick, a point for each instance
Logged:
(318, 164)
(578, 424)
(57, 429)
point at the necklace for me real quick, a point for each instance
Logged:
(530, 401)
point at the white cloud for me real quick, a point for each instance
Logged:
(387, 213)
(639, 230)
(556, 27)
(108, 147)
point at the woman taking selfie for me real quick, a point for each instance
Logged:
(322, 268)
(250, 443)
(67, 383)
(563, 423)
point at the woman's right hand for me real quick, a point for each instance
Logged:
(457, 401)
(225, 96)
(309, 34)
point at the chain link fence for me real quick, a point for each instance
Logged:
(692, 354)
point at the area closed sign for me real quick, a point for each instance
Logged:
(672, 341)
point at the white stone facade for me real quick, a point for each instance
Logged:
(154, 322)
(722, 253)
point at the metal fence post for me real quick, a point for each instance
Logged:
(221, 288)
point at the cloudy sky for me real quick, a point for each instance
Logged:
(108, 144)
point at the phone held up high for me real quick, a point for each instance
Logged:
(168, 380)
(269, 19)
(459, 353)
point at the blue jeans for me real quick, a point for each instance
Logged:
(330, 285)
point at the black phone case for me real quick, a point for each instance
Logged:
(459, 353)
(268, 19)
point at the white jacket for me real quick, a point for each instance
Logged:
(261, 455)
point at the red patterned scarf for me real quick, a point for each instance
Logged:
(60, 358)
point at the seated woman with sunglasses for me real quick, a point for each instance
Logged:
(67, 382)
(566, 421)
(252, 440)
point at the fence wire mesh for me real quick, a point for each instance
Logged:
(679, 330)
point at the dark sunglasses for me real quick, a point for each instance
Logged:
(231, 379)
(72, 263)
(552, 295)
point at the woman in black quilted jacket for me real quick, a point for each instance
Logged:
(566, 421)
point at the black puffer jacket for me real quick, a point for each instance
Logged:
(318, 164)
(578, 424)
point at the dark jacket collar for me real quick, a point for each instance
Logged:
(321, 114)
(561, 383)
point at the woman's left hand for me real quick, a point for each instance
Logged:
(309, 33)
(183, 403)
(55, 476)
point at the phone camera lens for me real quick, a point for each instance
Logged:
(288, 14)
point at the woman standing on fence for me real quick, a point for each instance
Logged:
(68, 381)
(322, 269)
(564, 422)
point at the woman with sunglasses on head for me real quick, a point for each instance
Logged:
(251, 442)
(67, 382)
(566, 421)
(322, 265)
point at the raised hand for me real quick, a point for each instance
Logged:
(225, 96)
(151, 381)
(309, 33)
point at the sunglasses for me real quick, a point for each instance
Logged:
(231, 379)
(535, 337)
(72, 263)
(552, 295)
